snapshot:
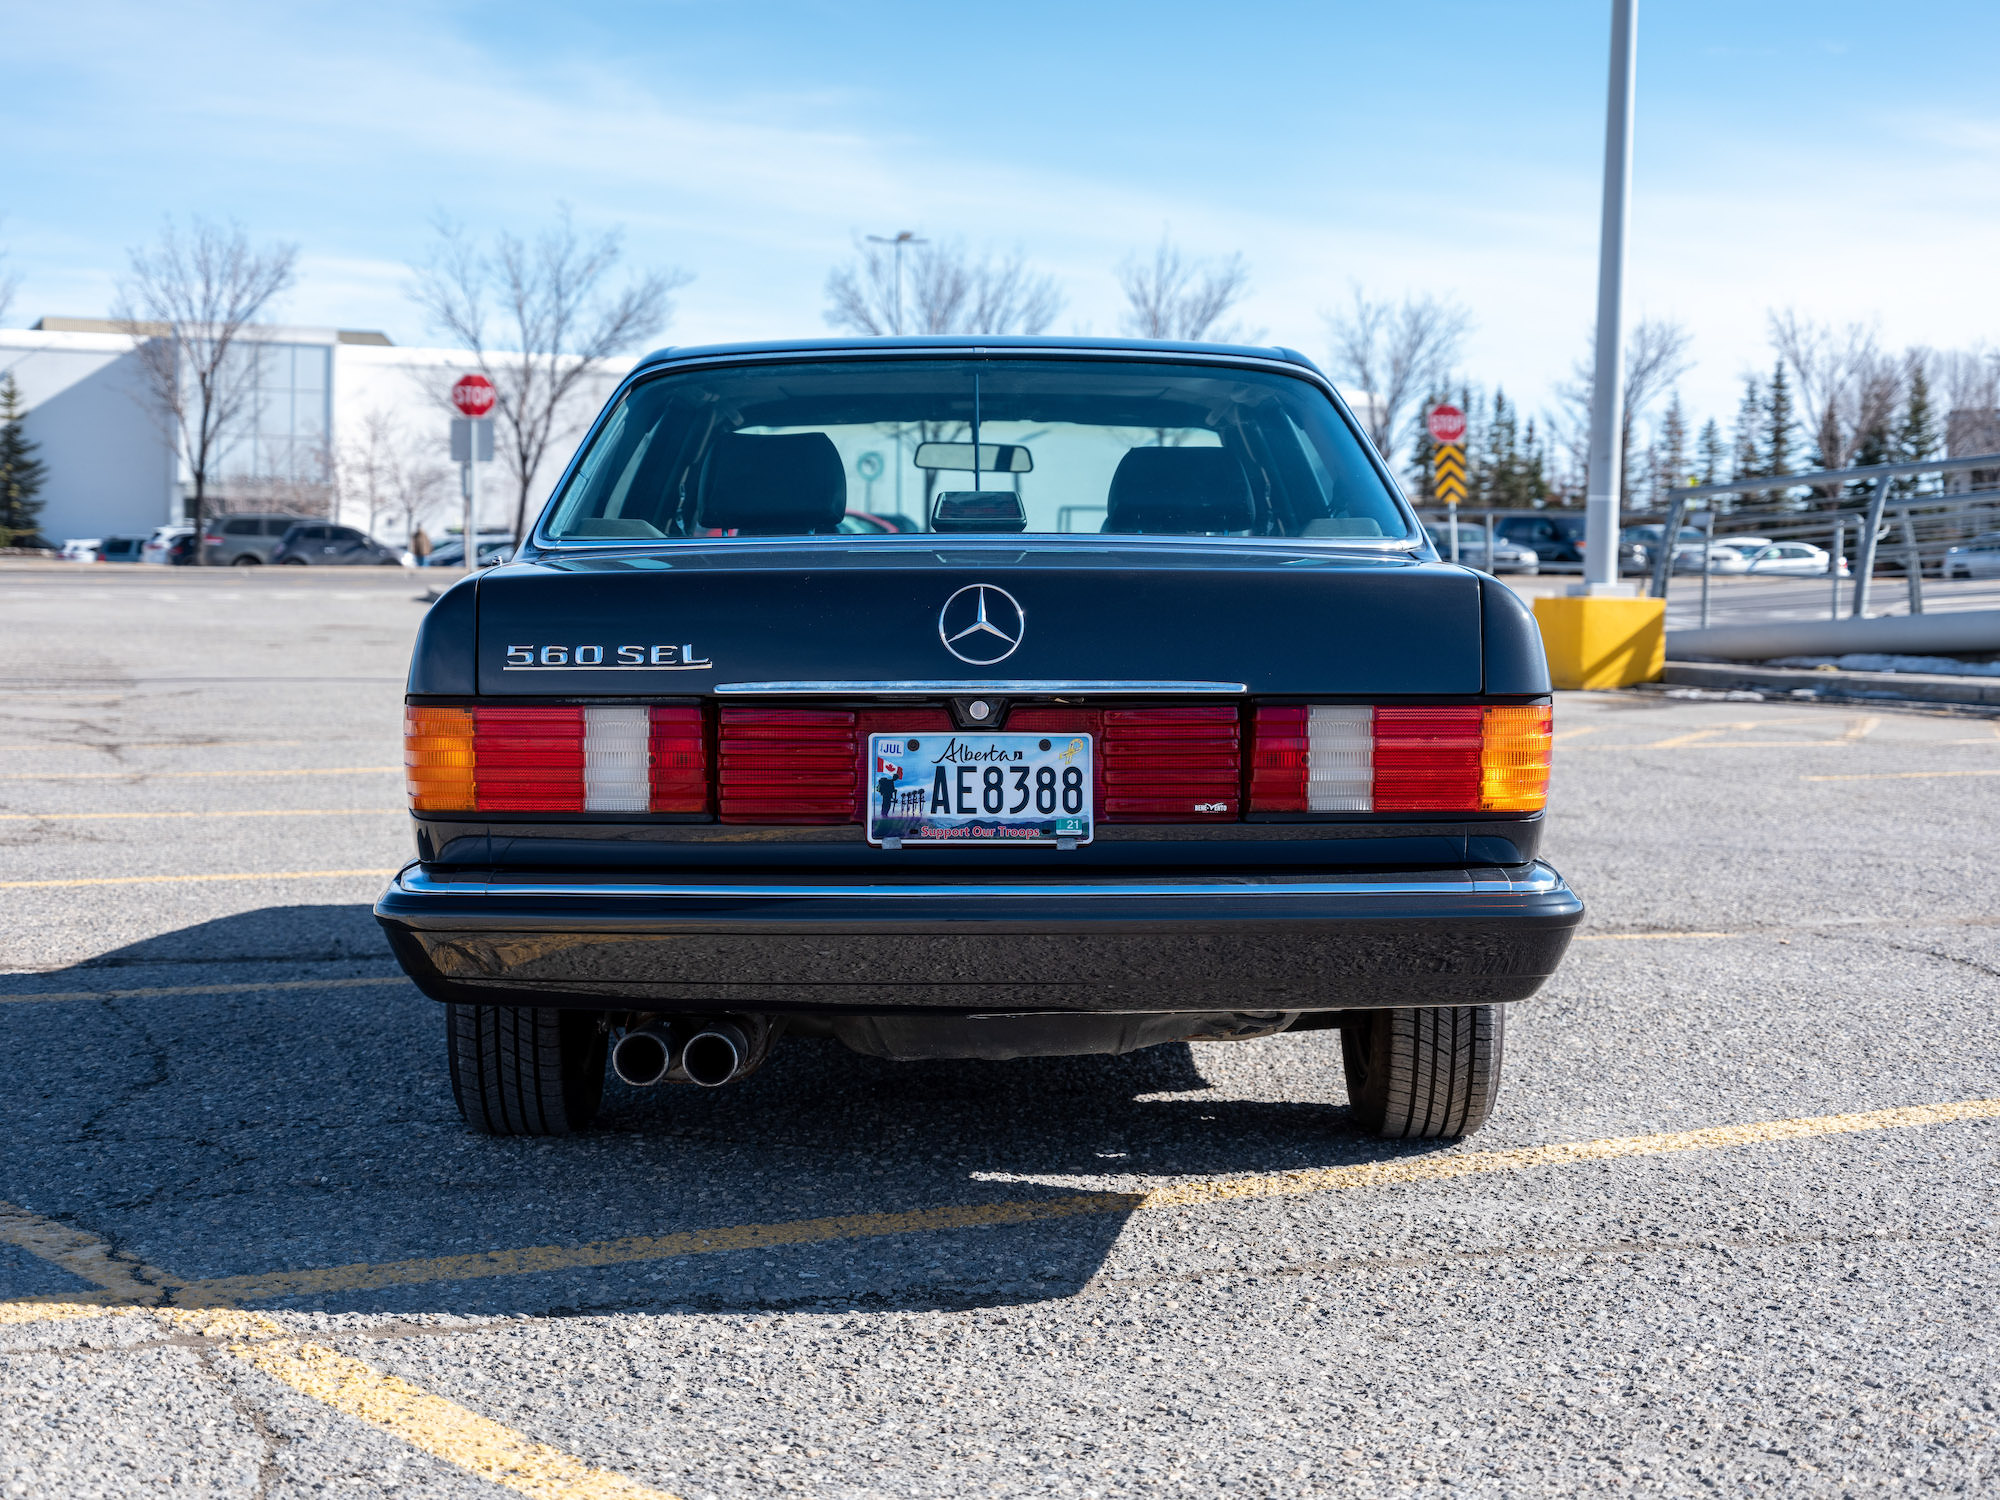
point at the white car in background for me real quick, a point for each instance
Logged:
(1788, 559)
(1733, 554)
(1978, 558)
(1508, 557)
(81, 549)
(159, 546)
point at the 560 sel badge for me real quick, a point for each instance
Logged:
(592, 659)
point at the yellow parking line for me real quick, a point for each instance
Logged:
(444, 1429)
(1898, 775)
(83, 1255)
(228, 1291)
(262, 812)
(156, 990)
(191, 775)
(45, 885)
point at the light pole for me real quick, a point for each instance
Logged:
(1601, 486)
(896, 242)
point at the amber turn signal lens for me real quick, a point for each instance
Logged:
(1514, 758)
(438, 758)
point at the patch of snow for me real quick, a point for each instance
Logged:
(1876, 661)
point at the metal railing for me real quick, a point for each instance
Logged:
(1912, 529)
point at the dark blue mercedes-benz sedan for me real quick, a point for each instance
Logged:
(1162, 721)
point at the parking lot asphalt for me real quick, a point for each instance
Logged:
(1731, 1229)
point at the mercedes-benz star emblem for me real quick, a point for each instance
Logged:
(982, 624)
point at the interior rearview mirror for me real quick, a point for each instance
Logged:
(994, 458)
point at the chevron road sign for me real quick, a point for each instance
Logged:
(1448, 472)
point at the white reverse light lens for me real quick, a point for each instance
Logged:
(615, 751)
(1340, 759)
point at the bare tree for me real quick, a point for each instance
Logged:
(10, 283)
(1176, 296)
(541, 318)
(1395, 352)
(1847, 387)
(365, 466)
(944, 291)
(187, 304)
(1655, 357)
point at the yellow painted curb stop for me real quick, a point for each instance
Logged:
(1598, 642)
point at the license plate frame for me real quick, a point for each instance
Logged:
(924, 767)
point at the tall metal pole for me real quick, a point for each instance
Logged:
(897, 241)
(1608, 392)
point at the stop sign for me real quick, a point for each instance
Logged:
(1447, 424)
(473, 395)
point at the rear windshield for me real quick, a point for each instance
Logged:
(875, 446)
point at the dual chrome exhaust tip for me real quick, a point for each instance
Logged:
(706, 1053)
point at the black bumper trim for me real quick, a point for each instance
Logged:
(1432, 938)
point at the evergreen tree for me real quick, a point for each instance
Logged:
(21, 473)
(1778, 424)
(1670, 464)
(1710, 448)
(1535, 467)
(1422, 449)
(1916, 435)
(1745, 458)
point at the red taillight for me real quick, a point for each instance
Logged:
(679, 752)
(1427, 759)
(556, 759)
(528, 759)
(1169, 765)
(1278, 761)
(1454, 758)
(787, 765)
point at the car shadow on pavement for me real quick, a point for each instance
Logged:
(246, 1098)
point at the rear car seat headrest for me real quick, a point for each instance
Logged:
(1179, 490)
(773, 484)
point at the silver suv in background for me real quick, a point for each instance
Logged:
(322, 544)
(245, 540)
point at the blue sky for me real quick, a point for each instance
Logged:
(1840, 158)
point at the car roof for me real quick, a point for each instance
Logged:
(965, 343)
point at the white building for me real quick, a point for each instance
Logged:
(338, 422)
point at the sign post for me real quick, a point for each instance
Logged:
(1446, 425)
(472, 445)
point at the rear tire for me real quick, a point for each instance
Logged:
(1423, 1074)
(522, 1070)
(245, 560)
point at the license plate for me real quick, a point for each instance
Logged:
(944, 787)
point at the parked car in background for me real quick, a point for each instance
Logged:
(80, 548)
(1508, 557)
(1978, 558)
(1792, 559)
(1558, 542)
(322, 544)
(493, 550)
(160, 543)
(117, 549)
(243, 540)
(875, 523)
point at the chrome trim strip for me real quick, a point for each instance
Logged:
(996, 686)
(1540, 881)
